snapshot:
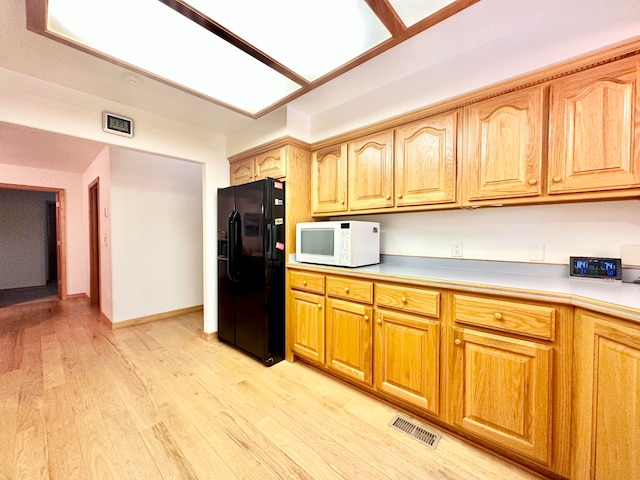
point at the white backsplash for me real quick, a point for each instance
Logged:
(506, 233)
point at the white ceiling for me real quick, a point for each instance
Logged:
(487, 42)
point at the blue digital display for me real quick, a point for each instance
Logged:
(595, 267)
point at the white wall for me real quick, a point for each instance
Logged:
(35, 103)
(100, 169)
(23, 230)
(156, 239)
(71, 183)
(505, 233)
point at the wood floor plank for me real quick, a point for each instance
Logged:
(205, 461)
(52, 369)
(63, 444)
(100, 458)
(168, 456)
(9, 394)
(30, 454)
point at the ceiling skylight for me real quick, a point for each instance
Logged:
(412, 11)
(311, 38)
(249, 55)
(154, 38)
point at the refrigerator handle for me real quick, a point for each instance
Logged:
(232, 224)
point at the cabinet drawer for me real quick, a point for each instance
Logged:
(309, 282)
(525, 319)
(408, 299)
(350, 289)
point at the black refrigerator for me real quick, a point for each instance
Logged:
(251, 260)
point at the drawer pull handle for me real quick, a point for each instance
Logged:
(346, 289)
(498, 315)
(319, 305)
(457, 341)
(366, 318)
(403, 299)
(304, 282)
(379, 321)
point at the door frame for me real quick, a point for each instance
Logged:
(61, 231)
(94, 242)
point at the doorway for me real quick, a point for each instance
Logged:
(94, 242)
(38, 271)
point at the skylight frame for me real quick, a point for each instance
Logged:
(37, 22)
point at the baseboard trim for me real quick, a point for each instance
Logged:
(208, 337)
(75, 296)
(155, 317)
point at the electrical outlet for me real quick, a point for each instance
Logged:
(536, 251)
(456, 249)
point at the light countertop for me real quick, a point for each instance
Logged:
(533, 281)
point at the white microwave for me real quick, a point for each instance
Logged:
(344, 244)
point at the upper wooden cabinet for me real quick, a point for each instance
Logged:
(504, 145)
(286, 159)
(267, 164)
(595, 129)
(425, 161)
(329, 180)
(370, 172)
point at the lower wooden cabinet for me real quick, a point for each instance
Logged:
(606, 410)
(503, 389)
(407, 358)
(308, 328)
(349, 339)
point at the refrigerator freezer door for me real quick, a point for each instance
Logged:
(226, 287)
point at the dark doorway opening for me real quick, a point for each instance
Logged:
(21, 207)
(94, 242)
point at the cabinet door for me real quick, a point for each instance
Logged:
(329, 180)
(502, 386)
(606, 399)
(503, 157)
(306, 312)
(595, 129)
(349, 336)
(370, 170)
(425, 161)
(407, 358)
(271, 164)
(242, 171)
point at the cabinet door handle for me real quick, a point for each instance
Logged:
(319, 305)
(366, 318)
(498, 315)
(346, 289)
(399, 195)
(403, 299)
(379, 321)
(533, 181)
(457, 341)
(341, 202)
(388, 197)
(304, 282)
(557, 179)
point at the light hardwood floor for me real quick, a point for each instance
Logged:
(155, 401)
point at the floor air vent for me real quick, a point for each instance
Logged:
(421, 434)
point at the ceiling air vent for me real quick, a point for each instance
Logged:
(421, 434)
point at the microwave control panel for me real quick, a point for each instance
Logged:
(345, 238)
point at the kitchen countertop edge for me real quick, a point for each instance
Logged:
(583, 293)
